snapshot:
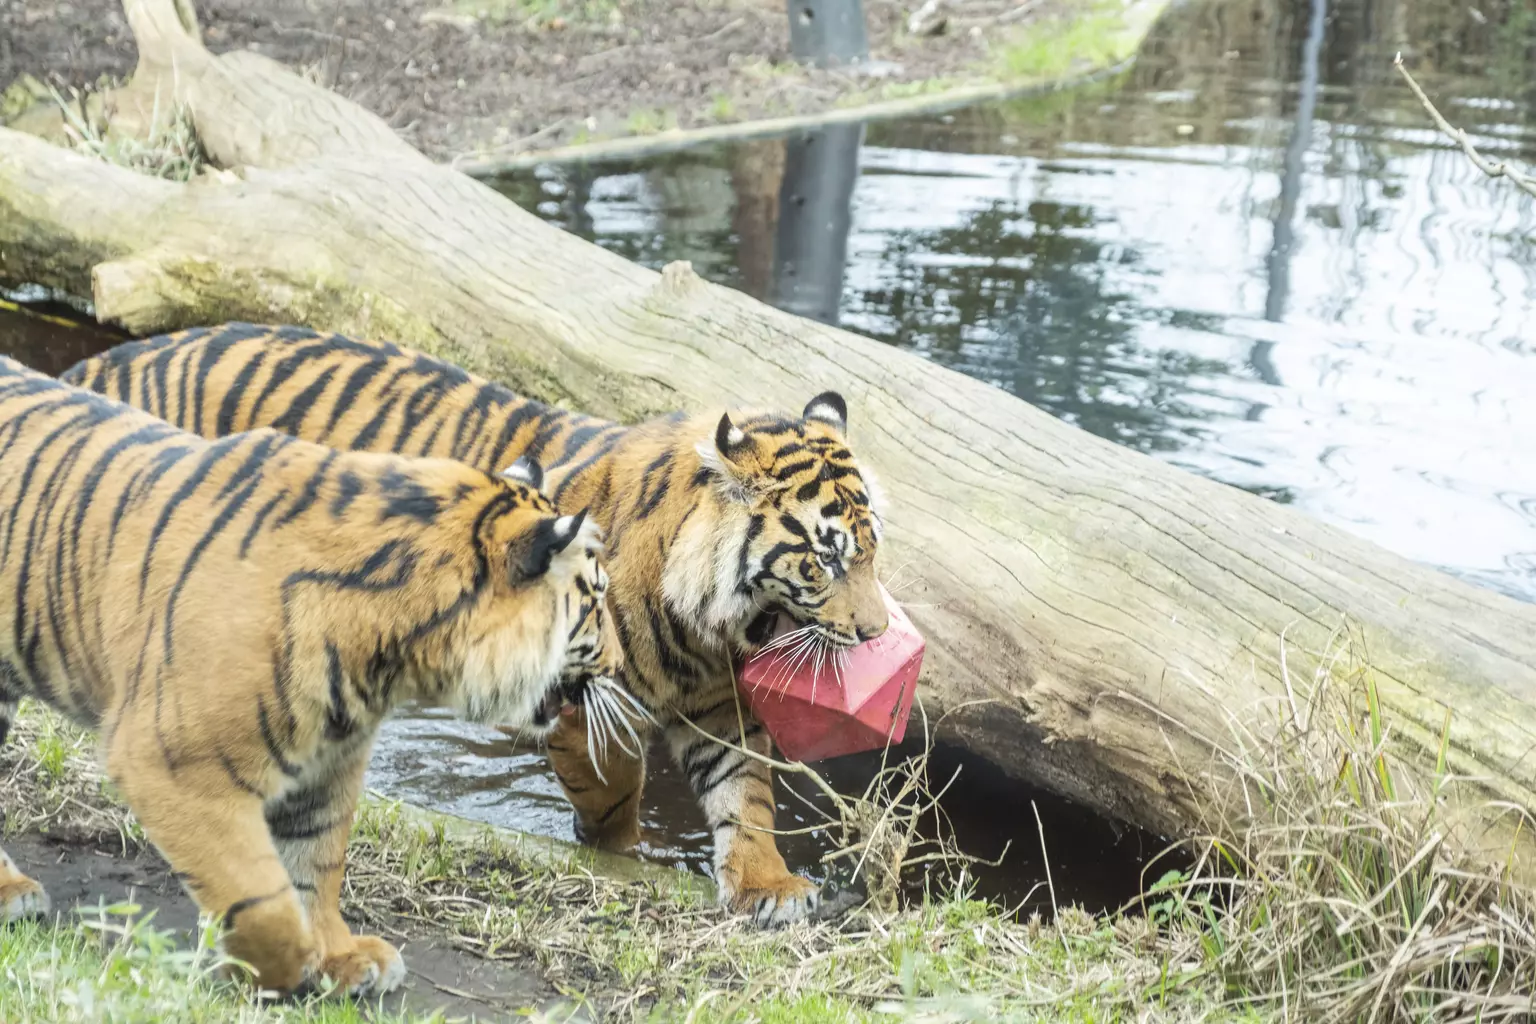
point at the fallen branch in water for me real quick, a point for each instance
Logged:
(1492, 168)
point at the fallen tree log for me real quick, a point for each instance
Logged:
(1112, 612)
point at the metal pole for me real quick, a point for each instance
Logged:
(827, 32)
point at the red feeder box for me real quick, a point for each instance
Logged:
(815, 712)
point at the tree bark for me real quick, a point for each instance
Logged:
(1113, 613)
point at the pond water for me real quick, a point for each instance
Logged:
(1250, 256)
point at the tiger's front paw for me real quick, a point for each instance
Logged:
(777, 902)
(371, 967)
(21, 897)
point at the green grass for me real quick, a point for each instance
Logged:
(116, 965)
(651, 121)
(1057, 47)
(722, 108)
(167, 147)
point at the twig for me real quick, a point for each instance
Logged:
(1492, 168)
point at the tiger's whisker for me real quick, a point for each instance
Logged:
(612, 718)
(623, 720)
(787, 638)
(604, 722)
(640, 710)
(592, 748)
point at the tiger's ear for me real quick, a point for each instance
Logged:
(524, 471)
(552, 536)
(730, 442)
(828, 407)
(731, 459)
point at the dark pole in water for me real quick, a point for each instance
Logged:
(1279, 261)
(827, 32)
(811, 243)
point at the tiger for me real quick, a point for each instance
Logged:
(235, 617)
(716, 525)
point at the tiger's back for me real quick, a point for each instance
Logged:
(120, 531)
(346, 393)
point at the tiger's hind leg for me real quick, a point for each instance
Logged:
(736, 792)
(20, 896)
(607, 805)
(311, 824)
(213, 833)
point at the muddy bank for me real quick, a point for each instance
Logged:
(83, 871)
(509, 76)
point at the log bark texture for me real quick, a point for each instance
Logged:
(1111, 611)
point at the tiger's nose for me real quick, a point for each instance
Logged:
(870, 632)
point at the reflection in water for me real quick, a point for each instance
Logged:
(1251, 255)
(811, 245)
(1284, 240)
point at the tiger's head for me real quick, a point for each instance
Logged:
(799, 531)
(544, 641)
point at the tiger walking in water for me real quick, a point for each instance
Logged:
(236, 617)
(715, 526)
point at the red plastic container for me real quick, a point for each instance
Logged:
(815, 712)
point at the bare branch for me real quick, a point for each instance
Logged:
(1492, 168)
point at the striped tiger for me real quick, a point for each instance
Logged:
(715, 525)
(236, 617)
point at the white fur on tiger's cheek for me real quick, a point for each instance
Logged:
(875, 492)
(506, 676)
(726, 481)
(699, 579)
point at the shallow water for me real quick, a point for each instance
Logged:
(1249, 256)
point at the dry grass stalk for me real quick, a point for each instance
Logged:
(1341, 893)
(880, 830)
(51, 781)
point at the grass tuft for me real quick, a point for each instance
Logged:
(168, 149)
(116, 965)
(1346, 891)
(1058, 47)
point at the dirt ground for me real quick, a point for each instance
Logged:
(456, 76)
(83, 871)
